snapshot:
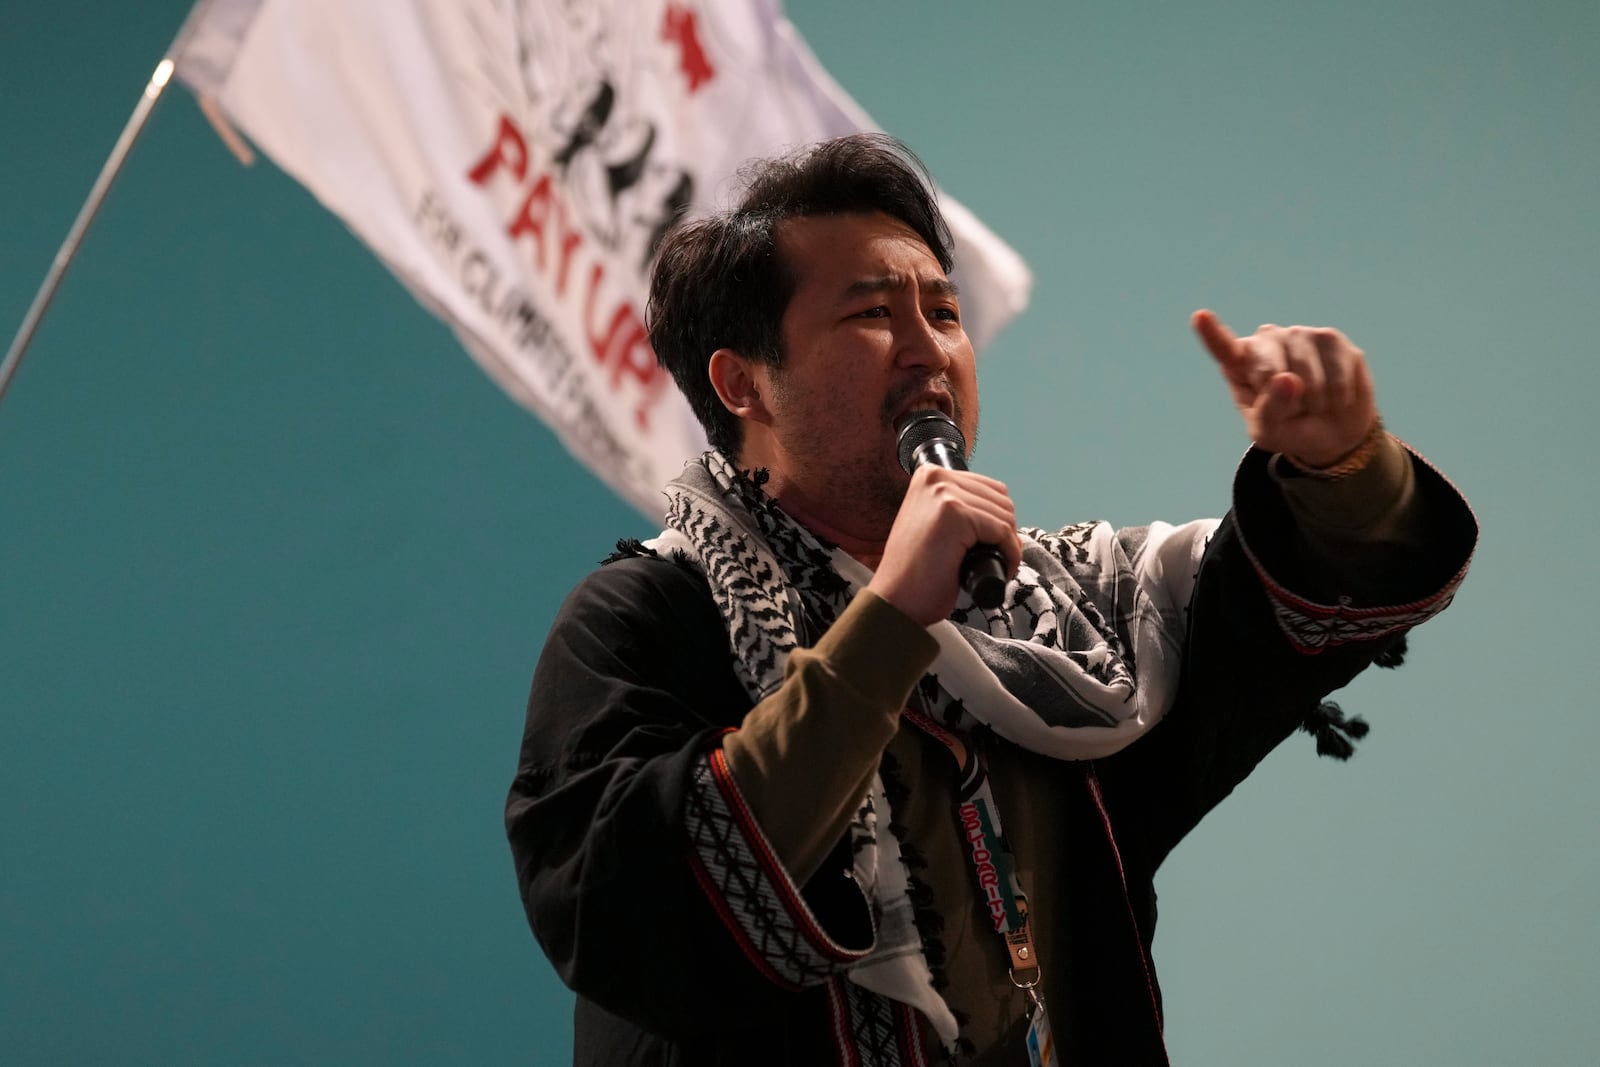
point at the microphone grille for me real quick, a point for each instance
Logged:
(920, 427)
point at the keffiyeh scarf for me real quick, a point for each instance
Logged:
(1079, 660)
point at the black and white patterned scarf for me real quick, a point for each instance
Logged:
(1080, 659)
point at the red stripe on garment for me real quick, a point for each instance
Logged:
(1092, 780)
(843, 1031)
(909, 1035)
(779, 877)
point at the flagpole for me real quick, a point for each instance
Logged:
(97, 195)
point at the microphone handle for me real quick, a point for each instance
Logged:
(983, 576)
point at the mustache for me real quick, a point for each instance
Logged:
(899, 396)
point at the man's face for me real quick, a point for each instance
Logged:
(873, 331)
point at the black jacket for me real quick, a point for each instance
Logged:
(635, 686)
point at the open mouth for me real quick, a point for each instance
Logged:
(925, 400)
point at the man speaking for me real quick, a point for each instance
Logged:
(789, 795)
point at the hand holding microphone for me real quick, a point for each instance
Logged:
(932, 437)
(956, 529)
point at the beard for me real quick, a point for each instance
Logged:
(853, 462)
(865, 484)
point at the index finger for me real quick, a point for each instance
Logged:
(1216, 336)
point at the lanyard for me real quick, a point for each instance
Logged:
(996, 872)
(992, 863)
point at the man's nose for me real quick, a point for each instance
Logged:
(922, 345)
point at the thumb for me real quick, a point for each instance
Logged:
(1280, 398)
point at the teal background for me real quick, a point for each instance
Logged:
(276, 560)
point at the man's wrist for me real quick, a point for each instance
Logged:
(1351, 462)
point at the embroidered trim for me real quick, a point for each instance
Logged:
(1313, 628)
(844, 1045)
(912, 1048)
(872, 1018)
(871, 1030)
(758, 902)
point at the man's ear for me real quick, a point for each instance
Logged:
(738, 383)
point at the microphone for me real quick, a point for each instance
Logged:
(932, 437)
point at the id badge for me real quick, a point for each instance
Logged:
(1041, 1046)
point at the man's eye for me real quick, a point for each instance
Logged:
(879, 312)
(948, 314)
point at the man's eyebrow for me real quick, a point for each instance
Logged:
(883, 283)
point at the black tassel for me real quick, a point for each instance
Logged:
(1336, 735)
(627, 548)
(1393, 656)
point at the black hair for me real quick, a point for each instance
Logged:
(719, 282)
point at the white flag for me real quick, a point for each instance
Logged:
(516, 162)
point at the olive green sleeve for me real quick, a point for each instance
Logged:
(1367, 528)
(804, 756)
(1376, 503)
